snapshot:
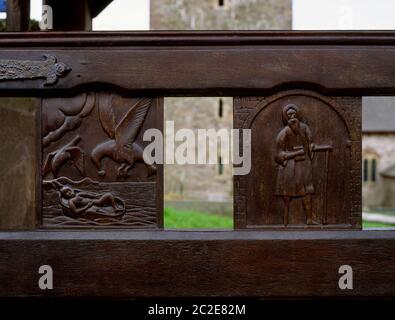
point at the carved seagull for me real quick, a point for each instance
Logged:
(56, 159)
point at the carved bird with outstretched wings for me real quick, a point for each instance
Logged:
(121, 147)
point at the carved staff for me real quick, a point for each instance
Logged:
(327, 149)
(49, 69)
(326, 185)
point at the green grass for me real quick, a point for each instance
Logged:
(192, 219)
(369, 224)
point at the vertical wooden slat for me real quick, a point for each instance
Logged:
(18, 15)
(18, 163)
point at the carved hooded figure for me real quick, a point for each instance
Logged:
(294, 154)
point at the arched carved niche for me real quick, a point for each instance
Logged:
(306, 166)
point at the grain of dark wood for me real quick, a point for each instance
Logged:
(306, 165)
(199, 63)
(18, 163)
(217, 263)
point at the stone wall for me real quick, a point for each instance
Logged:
(210, 15)
(375, 194)
(389, 192)
(199, 182)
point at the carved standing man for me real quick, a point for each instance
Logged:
(294, 154)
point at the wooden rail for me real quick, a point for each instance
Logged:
(190, 263)
(120, 263)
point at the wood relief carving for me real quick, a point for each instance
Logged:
(305, 162)
(93, 171)
(294, 156)
(121, 146)
(49, 69)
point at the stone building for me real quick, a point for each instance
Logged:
(211, 183)
(220, 14)
(378, 152)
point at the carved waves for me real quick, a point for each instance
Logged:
(91, 156)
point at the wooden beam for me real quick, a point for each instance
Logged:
(213, 263)
(227, 63)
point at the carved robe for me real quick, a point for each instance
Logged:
(294, 156)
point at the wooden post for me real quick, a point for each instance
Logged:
(75, 15)
(18, 15)
(72, 15)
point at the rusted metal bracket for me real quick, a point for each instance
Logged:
(49, 69)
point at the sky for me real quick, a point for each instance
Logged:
(307, 15)
(118, 15)
(343, 14)
(130, 15)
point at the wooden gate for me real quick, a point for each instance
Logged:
(98, 217)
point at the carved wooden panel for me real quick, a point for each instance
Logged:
(93, 171)
(306, 166)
